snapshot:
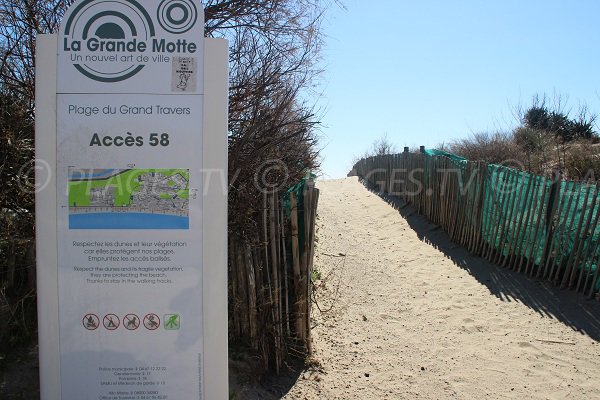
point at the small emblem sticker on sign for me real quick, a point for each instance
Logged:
(184, 74)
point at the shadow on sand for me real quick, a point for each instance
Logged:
(244, 384)
(572, 309)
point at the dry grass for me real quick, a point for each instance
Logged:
(533, 151)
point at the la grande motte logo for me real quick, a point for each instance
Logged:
(109, 40)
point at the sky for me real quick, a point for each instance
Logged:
(430, 72)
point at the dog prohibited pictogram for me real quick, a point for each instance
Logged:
(91, 322)
(111, 322)
(131, 322)
(151, 321)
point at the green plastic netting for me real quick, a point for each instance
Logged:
(525, 216)
(298, 190)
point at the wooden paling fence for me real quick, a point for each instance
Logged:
(270, 277)
(540, 226)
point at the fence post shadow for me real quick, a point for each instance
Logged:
(569, 307)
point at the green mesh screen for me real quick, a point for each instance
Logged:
(550, 230)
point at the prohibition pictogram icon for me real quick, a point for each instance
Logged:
(111, 322)
(151, 321)
(91, 322)
(131, 322)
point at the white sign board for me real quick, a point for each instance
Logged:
(132, 205)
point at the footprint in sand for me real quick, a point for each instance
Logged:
(527, 345)
(470, 326)
(389, 318)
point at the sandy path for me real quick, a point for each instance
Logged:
(413, 316)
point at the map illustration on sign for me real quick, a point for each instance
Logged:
(128, 198)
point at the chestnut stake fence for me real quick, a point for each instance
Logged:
(270, 278)
(544, 227)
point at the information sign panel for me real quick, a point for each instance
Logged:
(128, 176)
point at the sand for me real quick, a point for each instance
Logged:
(406, 314)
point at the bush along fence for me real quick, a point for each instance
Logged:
(270, 277)
(17, 291)
(541, 226)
